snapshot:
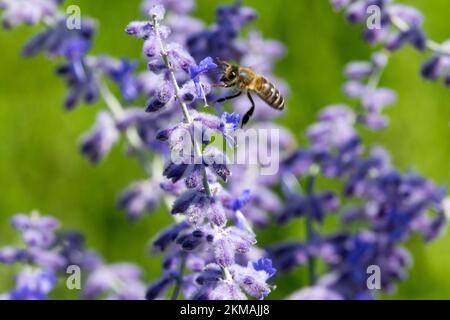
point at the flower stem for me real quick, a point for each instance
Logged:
(179, 280)
(184, 108)
(430, 44)
(375, 78)
(131, 133)
(310, 181)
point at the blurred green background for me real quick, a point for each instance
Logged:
(40, 167)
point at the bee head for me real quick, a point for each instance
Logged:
(230, 73)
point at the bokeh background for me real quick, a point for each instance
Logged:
(40, 167)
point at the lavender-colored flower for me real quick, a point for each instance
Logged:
(358, 70)
(163, 96)
(139, 198)
(334, 129)
(183, 26)
(252, 279)
(229, 123)
(207, 257)
(376, 100)
(37, 231)
(361, 87)
(122, 72)
(33, 285)
(157, 12)
(168, 237)
(203, 67)
(399, 25)
(438, 66)
(10, 255)
(17, 12)
(226, 291)
(219, 40)
(264, 264)
(82, 84)
(59, 41)
(261, 53)
(356, 254)
(140, 29)
(72, 249)
(121, 281)
(97, 143)
(40, 256)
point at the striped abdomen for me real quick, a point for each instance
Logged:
(269, 93)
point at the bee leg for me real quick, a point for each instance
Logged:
(230, 97)
(249, 113)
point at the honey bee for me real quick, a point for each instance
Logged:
(247, 81)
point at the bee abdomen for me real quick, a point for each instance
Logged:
(270, 94)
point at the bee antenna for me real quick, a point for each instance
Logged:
(222, 62)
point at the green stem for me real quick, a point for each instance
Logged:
(310, 181)
(374, 80)
(131, 134)
(179, 280)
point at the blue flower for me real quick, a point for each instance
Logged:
(239, 202)
(229, 123)
(195, 72)
(264, 264)
(122, 72)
